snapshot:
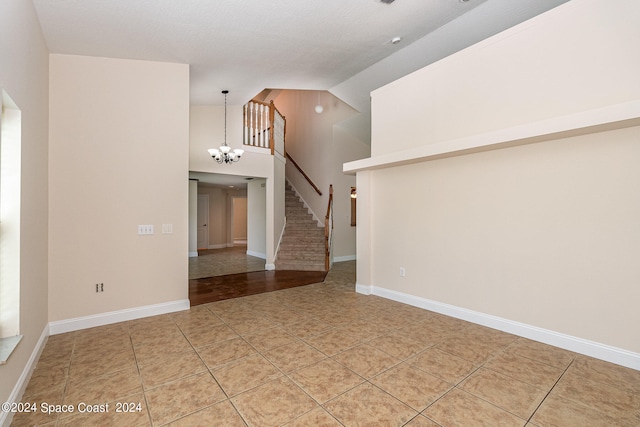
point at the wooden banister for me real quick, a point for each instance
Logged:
(328, 230)
(315, 187)
(264, 126)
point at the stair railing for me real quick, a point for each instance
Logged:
(328, 231)
(315, 187)
(264, 127)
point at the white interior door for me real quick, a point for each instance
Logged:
(203, 221)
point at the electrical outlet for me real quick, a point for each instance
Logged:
(144, 230)
(402, 272)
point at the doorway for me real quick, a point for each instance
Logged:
(203, 221)
(239, 218)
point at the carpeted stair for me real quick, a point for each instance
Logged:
(302, 245)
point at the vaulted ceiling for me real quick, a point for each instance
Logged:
(246, 46)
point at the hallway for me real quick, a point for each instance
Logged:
(220, 262)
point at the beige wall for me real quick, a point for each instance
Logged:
(239, 218)
(541, 236)
(576, 57)
(346, 146)
(193, 218)
(118, 158)
(544, 234)
(24, 68)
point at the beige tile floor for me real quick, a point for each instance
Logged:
(220, 262)
(322, 355)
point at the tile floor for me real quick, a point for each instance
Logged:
(220, 262)
(322, 355)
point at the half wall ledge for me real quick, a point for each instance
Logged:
(591, 121)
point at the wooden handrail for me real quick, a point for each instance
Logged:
(328, 230)
(266, 104)
(315, 187)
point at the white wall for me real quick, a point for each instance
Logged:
(544, 236)
(257, 218)
(119, 132)
(24, 68)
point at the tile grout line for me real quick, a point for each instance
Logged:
(228, 398)
(144, 392)
(550, 390)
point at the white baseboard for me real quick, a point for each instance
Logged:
(193, 254)
(257, 254)
(344, 258)
(363, 289)
(578, 345)
(78, 323)
(23, 380)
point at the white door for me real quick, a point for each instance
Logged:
(203, 221)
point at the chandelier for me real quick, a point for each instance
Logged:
(224, 153)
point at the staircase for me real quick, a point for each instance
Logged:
(302, 246)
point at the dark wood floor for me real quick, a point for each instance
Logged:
(211, 289)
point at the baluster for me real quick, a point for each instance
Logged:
(265, 127)
(245, 129)
(253, 124)
(249, 124)
(256, 123)
(260, 112)
(269, 125)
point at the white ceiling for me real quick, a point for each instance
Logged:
(246, 46)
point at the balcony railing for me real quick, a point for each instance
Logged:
(264, 127)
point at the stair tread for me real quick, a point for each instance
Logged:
(302, 246)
